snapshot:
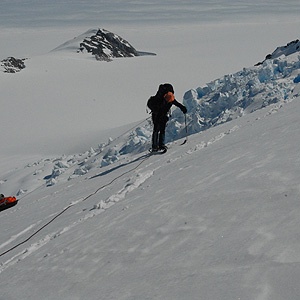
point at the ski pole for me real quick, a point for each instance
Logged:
(186, 131)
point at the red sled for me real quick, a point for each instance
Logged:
(8, 202)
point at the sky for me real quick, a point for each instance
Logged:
(50, 13)
(45, 19)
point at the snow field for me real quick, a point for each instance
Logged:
(228, 224)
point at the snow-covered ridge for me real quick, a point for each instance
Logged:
(102, 44)
(286, 50)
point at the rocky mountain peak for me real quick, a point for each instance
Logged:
(105, 45)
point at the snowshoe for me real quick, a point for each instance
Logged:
(160, 150)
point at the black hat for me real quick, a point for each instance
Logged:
(169, 87)
(165, 88)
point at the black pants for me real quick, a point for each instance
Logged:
(159, 128)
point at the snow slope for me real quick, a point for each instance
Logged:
(216, 218)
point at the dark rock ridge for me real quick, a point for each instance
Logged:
(286, 50)
(105, 45)
(12, 65)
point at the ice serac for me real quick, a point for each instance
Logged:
(105, 45)
(244, 92)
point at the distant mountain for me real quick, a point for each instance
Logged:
(102, 44)
(286, 50)
(106, 45)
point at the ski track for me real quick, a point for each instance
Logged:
(139, 179)
(213, 140)
(14, 237)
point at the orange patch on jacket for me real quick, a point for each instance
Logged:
(169, 97)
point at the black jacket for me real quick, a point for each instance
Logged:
(159, 105)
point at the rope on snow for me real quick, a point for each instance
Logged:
(72, 204)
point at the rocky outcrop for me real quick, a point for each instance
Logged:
(105, 45)
(12, 65)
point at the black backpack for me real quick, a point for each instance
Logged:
(154, 101)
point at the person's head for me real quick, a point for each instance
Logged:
(169, 87)
(165, 88)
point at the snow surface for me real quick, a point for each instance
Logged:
(214, 219)
(217, 218)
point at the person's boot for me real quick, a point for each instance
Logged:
(161, 142)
